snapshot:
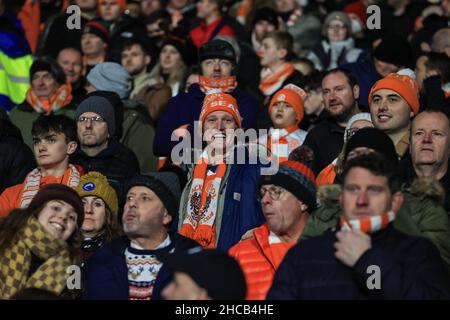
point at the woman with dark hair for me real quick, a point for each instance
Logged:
(100, 224)
(38, 244)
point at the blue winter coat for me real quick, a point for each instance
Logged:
(185, 109)
(410, 268)
(106, 272)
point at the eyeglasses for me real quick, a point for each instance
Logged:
(96, 119)
(337, 27)
(274, 193)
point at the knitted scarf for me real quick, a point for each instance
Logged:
(32, 183)
(222, 85)
(16, 261)
(272, 81)
(281, 142)
(295, 15)
(201, 209)
(61, 98)
(368, 224)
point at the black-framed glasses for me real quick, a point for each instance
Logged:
(274, 193)
(96, 119)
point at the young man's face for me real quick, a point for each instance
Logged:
(59, 219)
(430, 139)
(390, 112)
(205, 8)
(338, 95)
(282, 115)
(282, 213)
(183, 287)
(92, 133)
(110, 10)
(261, 28)
(134, 59)
(269, 54)
(144, 213)
(216, 68)
(44, 84)
(365, 194)
(72, 64)
(52, 149)
(92, 45)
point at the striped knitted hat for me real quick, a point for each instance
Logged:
(298, 179)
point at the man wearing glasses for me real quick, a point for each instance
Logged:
(286, 199)
(99, 150)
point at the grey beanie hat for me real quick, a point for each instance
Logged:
(100, 106)
(164, 184)
(337, 15)
(111, 76)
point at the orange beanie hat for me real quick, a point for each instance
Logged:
(220, 102)
(404, 85)
(293, 96)
(122, 3)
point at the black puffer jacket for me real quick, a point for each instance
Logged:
(16, 158)
(410, 268)
(117, 163)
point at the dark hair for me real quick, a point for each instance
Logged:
(440, 62)
(312, 81)
(351, 79)
(378, 165)
(112, 226)
(193, 69)
(283, 40)
(55, 123)
(15, 221)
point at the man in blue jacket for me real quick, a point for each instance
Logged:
(218, 69)
(128, 267)
(366, 258)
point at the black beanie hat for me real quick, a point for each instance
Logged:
(56, 191)
(164, 184)
(374, 139)
(50, 65)
(178, 44)
(266, 14)
(394, 50)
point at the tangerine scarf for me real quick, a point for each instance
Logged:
(272, 81)
(201, 210)
(369, 224)
(61, 98)
(281, 142)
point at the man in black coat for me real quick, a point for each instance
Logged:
(99, 150)
(366, 258)
(340, 92)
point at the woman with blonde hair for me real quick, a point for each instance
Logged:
(171, 65)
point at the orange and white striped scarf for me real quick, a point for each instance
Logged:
(281, 142)
(272, 81)
(369, 224)
(222, 85)
(201, 210)
(58, 100)
(32, 183)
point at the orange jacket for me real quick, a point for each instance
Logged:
(259, 261)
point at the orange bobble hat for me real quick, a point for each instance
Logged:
(220, 102)
(402, 83)
(293, 96)
(122, 3)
